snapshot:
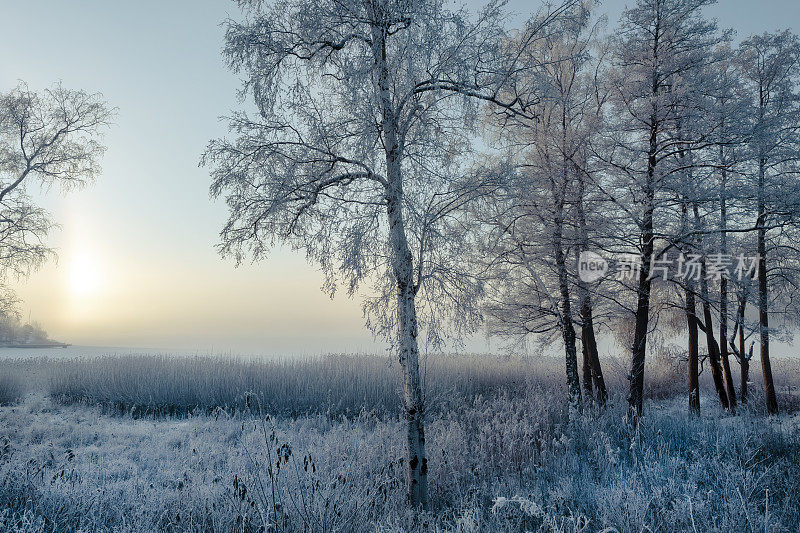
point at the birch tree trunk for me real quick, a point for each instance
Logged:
(403, 272)
(413, 404)
(341, 88)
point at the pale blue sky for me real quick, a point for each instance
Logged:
(137, 264)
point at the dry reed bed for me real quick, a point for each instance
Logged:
(334, 385)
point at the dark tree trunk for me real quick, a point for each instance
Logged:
(694, 375)
(590, 342)
(763, 315)
(744, 360)
(573, 381)
(567, 328)
(559, 192)
(708, 329)
(713, 357)
(588, 389)
(640, 333)
(745, 370)
(730, 388)
(723, 288)
(763, 297)
(690, 309)
(639, 348)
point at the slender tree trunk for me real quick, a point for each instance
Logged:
(586, 342)
(642, 321)
(730, 388)
(708, 327)
(763, 297)
(744, 360)
(690, 310)
(713, 352)
(639, 348)
(723, 287)
(567, 328)
(588, 339)
(745, 377)
(559, 192)
(402, 265)
(694, 375)
(573, 382)
(413, 402)
(588, 389)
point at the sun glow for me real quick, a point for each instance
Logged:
(85, 278)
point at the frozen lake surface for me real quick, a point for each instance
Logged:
(72, 352)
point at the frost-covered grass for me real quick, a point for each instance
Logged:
(11, 387)
(499, 464)
(17, 376)
(502, 454)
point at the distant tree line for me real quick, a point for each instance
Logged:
(13, 331)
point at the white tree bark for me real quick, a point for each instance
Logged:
(402, 264)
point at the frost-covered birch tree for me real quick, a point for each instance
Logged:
(362, 113)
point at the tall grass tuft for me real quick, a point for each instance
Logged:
(11, 387)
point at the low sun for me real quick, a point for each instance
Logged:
(84, 276)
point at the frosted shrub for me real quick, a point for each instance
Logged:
(545, 521)
(312, 487)
(528, 507)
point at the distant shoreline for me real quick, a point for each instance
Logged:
(37, 345)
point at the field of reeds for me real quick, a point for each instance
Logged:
(333, 385)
